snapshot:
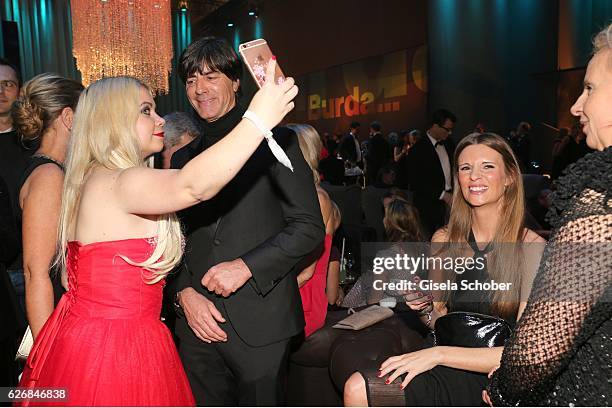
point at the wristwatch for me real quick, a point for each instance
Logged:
(177, 306)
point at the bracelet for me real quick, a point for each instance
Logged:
(276, 150)
(252, 116)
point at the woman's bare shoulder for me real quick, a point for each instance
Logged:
(531, 236)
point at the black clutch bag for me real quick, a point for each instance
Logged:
(465, 329)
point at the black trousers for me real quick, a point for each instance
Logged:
(234, 373)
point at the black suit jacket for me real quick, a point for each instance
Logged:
(269, 217)
(426, 179)
(379, 154)
(13, 162)
(347, 148)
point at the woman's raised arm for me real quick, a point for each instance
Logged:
(148, 191)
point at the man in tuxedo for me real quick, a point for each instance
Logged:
(429, 165)
(237, 295)
(349, 149)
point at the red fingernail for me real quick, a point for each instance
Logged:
(274, 57)
(387, 381)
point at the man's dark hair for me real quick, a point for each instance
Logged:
(355, 125)
(213, 53)
(440, 116)
(375, 126)
(4, 61)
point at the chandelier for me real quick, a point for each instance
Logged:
(123, 37)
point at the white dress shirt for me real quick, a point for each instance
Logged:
(444, 162)
(357, 148)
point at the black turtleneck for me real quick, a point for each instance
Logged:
(215, 131)
(210, 133)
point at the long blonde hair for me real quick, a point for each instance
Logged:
(310, 145)
(104, 135)
(506, 262)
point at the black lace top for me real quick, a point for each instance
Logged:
(560, 351)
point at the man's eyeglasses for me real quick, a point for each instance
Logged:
(8, 84)
(449, 130)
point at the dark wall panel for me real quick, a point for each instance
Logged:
(485, 57)
(311, 35)
(10, 42)
(579, 21)
(338, 49)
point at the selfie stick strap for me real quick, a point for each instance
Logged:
(277, 151)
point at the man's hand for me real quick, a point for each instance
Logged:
(227, 277)
(202, 316)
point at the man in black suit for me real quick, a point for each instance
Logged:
(331, 168)
(429, 164)
(9, 309)
(379, 153)
(350, 149)
(237, 294)
(13, 161)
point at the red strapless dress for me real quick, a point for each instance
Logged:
(105, 343)
(314, 299)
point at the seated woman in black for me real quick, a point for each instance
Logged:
(487, 207)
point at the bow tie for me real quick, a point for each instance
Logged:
(439, 143)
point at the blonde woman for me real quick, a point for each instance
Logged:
(313, 280)
(119, 237)
(486, 221)
(43, 112)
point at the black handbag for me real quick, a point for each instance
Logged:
(466, 329)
